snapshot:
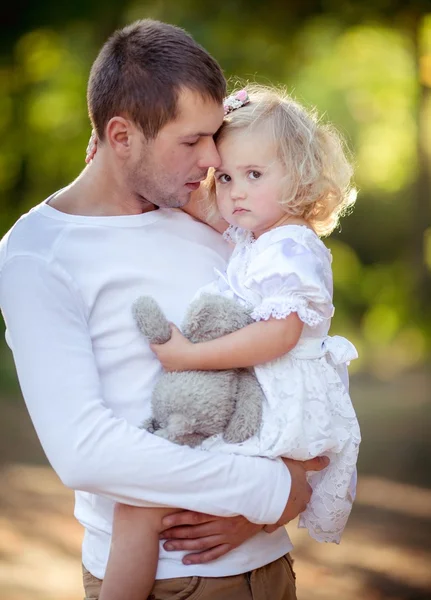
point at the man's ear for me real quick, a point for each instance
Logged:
(119, 135)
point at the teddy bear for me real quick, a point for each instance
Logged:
(190, 406)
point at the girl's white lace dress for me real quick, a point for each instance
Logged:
(308, 411)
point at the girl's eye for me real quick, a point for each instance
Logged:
(255, 174)
(224, 178)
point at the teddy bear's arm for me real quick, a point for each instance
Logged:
(151, 320)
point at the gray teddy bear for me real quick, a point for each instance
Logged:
(190, 406)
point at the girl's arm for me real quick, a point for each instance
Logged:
(255, 344)
(194, 207)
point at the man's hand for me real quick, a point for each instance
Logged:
(300, 491)
(208, 537)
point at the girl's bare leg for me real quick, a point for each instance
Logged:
(134, 553)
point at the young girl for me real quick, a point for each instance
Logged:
(283, 183)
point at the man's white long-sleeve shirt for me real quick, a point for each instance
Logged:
(67, 285)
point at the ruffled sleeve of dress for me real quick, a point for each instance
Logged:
(287, 274)
(237, 236)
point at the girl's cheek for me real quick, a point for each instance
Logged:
(221, 195)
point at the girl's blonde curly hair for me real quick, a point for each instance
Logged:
(317, 186)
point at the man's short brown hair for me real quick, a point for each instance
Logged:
(140, 71)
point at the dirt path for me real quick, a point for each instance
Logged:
(385, 553)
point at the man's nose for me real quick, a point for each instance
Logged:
(210, 156)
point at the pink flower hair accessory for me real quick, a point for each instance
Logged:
(235, 101)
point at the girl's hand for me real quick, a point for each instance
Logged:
(91, 148)
(176, 354)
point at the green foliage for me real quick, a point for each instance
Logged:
(345, 59)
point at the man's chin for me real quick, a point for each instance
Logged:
(182, 198)
(175, 201)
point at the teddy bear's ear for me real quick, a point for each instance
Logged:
(151, 320)
(211, 316)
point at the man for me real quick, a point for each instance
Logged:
(70, 271)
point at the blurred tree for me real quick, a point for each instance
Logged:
(359, 63)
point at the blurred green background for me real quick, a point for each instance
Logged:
(367, 67)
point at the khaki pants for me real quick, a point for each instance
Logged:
(275, 581)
